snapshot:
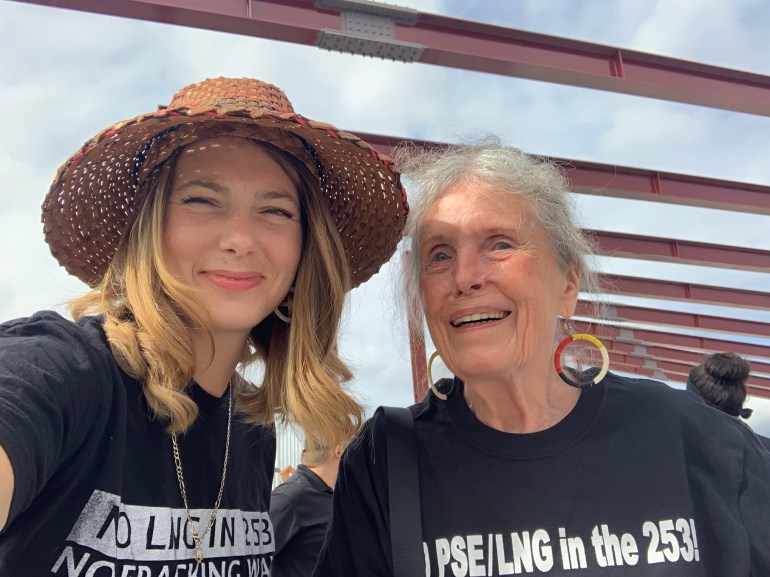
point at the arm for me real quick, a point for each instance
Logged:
(51, 377)
(358, 540)
(6, 487)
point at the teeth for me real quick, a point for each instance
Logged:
(475, 317)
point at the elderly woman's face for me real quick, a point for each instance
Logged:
(491, 285)
(232, 230)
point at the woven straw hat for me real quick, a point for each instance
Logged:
(97, 193)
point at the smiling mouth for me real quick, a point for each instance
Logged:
(479, 319)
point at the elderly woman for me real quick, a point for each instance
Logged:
(525, 467)
(221, 230)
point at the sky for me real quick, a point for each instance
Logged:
(67, 75)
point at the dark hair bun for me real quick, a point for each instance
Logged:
(728, 368)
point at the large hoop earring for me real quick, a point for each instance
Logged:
(288, 305)
(433, 388)
(594, 341)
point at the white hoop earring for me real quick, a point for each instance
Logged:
(433, 388)
(288, 304)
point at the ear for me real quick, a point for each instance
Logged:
(569, 298)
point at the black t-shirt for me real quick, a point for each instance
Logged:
(96, 490)
(638, 480)
(300, 509)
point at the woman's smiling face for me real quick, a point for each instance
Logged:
(491, 285)
(232, 230)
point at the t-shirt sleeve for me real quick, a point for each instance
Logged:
(358, 539)
(51, 374)
(755, 504)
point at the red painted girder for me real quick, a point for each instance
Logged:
(690, 358)
(681, 251)
(636, 314)
(685, 292)
(756, 385)
(659, 337)
(637, 183)
(468, 45)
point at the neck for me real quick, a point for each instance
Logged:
(527, 402)
(327, 472)
(215, 361)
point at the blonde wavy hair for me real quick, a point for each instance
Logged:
(148, 313)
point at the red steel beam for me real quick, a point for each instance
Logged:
(685, 292)
(681, 251)
(659, 337)
(636, 183)
(468, 45)
(690, 358)
(642, 315)
(757, 385)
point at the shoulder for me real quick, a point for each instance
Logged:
(50, 351)
(53, 330)
(291, 487)
(652, 394)
(680, 409)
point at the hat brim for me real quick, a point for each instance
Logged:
(95, 197)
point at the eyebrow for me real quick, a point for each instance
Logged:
(221, 189)
(214, 186)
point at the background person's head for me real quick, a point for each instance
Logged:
(489, 216)
(721, 381)
(324, 461)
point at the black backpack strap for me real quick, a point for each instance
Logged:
(404, 493)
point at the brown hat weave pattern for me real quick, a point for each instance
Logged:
(97, 193)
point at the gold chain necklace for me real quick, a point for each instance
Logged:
(198, 539)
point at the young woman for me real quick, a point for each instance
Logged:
(218, 231)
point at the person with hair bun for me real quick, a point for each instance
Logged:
(721, 381)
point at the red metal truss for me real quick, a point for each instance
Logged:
(637, 183)
(641, 315)
(681, 252)
(689, 358)
(469, 45)
(685, 292)
(675, 372)
(655, 336)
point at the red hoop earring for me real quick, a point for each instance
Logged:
(594, 341)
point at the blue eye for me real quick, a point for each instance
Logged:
(440, 257)
(502, 245)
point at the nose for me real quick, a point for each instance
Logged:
(238, 234)
(469, 272)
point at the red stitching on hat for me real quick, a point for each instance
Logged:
(299, 120)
